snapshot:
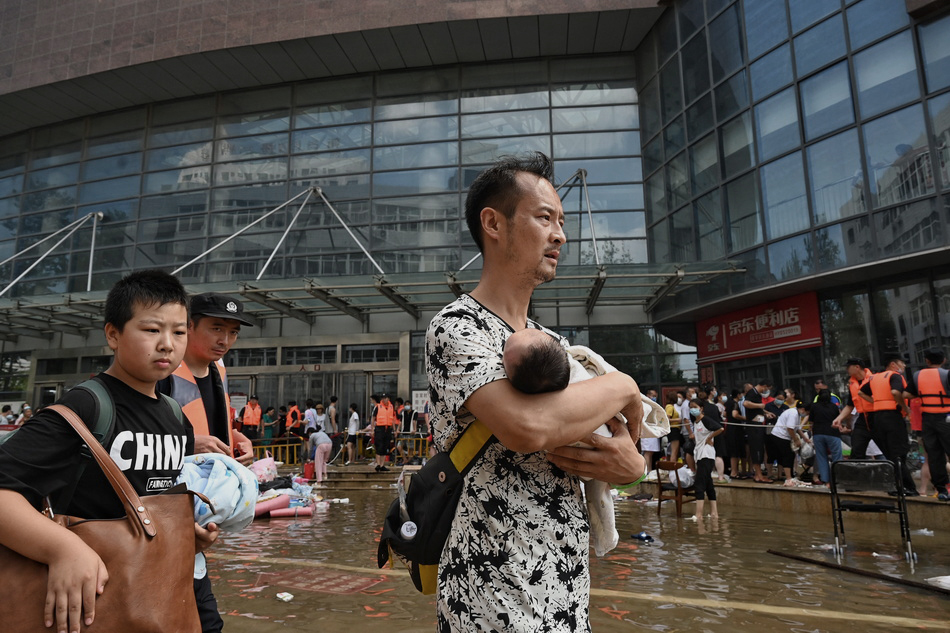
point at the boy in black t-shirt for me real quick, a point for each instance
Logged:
(146, 321)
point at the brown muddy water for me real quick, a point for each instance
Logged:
(709, 577)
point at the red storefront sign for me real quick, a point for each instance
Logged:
(786, 324)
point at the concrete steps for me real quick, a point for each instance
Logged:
(358, 476)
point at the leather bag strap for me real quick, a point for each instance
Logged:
(135, 510)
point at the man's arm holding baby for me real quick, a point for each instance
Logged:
(528, 423)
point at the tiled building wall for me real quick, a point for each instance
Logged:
(45, 41)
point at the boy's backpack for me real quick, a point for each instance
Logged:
(105, 421)
(419, 520)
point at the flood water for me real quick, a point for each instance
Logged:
(715, 577)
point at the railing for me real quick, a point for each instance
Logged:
(282, 450)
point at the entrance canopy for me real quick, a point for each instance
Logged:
(587, 286)
(417, 294)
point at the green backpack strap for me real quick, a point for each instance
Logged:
(105, 420)
(176, 408)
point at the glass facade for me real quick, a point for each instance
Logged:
(819, 137)
(393, 152)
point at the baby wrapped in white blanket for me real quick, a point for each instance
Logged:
(535, 363)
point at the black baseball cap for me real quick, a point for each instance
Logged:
(855, 361)
(217, 305)
(253, 398)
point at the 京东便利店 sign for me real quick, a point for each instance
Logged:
(768, 328)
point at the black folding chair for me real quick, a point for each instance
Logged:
(853, 483)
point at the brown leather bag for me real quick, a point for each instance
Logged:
(149, 554)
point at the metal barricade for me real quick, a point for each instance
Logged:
(282, 449)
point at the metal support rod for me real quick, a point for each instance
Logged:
(590, 216)
(340, 220)
(231, 237)
(283, 237)
(48, 237)
(43, 256)
(92, 248)
(477, 255)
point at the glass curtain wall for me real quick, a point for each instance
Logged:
(393, 152)
(794, 137)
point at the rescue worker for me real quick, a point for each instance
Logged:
(885, 392)
(383, 421)
(932, 386)
(250, 417)
(860, 425)
(200, 385)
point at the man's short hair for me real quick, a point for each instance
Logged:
(497, 187)
(544, 367)
(145, 287)
(765, 382)
(893, 357)
(854, 360)
(935, 356)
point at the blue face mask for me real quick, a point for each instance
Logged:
(694, 411)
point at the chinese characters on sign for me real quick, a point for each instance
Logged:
(787, 324)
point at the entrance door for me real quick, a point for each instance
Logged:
(46, 394)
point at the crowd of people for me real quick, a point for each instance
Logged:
(321, 432)
(778, 433)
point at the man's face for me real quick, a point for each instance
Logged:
(211, 337)
(855, 371)
(535, 232)
(820, 384)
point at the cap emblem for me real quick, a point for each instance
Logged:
(231, 307)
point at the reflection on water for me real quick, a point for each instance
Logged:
(711, 576)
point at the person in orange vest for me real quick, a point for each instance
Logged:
(383, 421)
(250, 417)
(856, 423)
(932, 386)
(885, 392)
(294, 419)
(200, 385)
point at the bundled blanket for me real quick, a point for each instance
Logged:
(231, 488)
(586, 364)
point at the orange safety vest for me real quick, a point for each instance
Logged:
(252, 416)
(185, 391)
(291, 423)
(385, 416)
(931, 391)
(881, 391)
(862, 405)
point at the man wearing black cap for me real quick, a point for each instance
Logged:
(200, 385)
(885, 392)
(932, 386)
(860, 423)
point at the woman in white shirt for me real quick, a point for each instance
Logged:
(786, 436)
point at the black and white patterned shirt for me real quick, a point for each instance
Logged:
(517, 557)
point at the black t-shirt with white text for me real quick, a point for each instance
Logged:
(147, 442)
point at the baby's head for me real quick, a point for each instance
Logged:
(535, 362)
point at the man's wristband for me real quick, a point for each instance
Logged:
(632, 483)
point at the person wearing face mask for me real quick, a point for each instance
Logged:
(756, 419)
(706, 430)
(684, 398)
(711, 411)
(735, 433)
